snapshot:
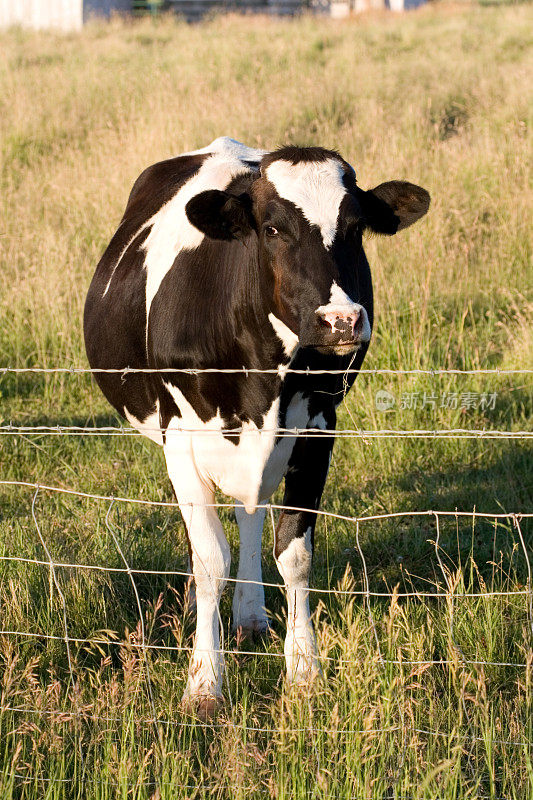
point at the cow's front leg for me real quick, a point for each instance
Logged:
(249, 615)
(293, 547)
(293, 551)
(210, 566)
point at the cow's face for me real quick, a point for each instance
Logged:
(308, 216)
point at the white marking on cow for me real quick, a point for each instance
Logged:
(171, 230)
(249, 597)
(211, 559)
(294, 564)
(338, 298)
(122, 254)
(283, 332)
(315, 187)
(229, 151)
(296, 416)
(199, 457)
(340, 305)
(150, 426)
(318, 421)
(249, 471)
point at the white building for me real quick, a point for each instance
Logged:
(66, 15)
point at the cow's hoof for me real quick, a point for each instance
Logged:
(203, 707)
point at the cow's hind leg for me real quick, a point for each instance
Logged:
(293, 551)
(249, 615)
(210, 566)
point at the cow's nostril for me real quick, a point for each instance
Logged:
(322, 320)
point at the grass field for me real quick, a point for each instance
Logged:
(439, 97)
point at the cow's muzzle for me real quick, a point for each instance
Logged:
(341, 329)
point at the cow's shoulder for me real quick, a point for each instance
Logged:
(215, 166)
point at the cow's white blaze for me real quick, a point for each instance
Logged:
(315, 187)
(294, 564)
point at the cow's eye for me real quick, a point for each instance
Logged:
(271, 231)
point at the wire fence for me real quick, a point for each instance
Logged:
(281, 433)
(514, 517)
(124, 371)
(12, 429)
(450, 592)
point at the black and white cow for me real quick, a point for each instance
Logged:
(231, 257)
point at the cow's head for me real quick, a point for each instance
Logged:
(308, 216)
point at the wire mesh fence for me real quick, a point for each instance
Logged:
(449, 591)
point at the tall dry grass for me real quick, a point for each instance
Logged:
(440, 97)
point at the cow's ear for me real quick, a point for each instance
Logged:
(394, 205)
(221, 215)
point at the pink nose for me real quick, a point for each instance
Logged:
(341, 320)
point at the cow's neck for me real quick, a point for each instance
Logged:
(243, 334)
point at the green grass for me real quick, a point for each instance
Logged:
(439, 97)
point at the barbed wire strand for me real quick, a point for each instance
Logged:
(281, 433)
(263, 653)
(222, 724)
(207, 787)
(256, 371)
(213, 724)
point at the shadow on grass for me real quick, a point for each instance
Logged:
(397, 548)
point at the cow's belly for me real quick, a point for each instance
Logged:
(249, 471)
